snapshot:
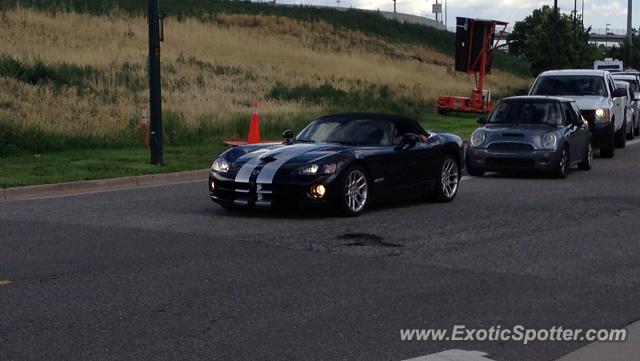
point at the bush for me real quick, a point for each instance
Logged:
(41, 73)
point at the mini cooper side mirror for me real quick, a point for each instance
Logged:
(482, 121)
(288, 135)
(408, 140)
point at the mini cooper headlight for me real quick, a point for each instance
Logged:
(314, 169)
(220, 165)
(549, 141)
(477, 138)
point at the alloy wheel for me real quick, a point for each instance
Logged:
(356, 191)
(450, 178)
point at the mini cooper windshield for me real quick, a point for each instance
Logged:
(527, 112)
(578, 85)
(362, 132)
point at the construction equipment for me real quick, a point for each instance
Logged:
(475, 47)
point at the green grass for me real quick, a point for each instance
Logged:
(459, 124)
(86, 164)
(78, 165)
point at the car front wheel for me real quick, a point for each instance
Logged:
(586, 164)
(621, 136)
(354, 191)
(448, 180)
(562, 169)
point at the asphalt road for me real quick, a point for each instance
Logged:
(163, 274)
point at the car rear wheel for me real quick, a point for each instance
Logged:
(354, 191)
(448, 181)
(562, 169)
(621, 136)
(588, 160)
(636, 129)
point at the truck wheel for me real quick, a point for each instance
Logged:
(621, 136)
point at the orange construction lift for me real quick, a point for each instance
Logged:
(475, 46)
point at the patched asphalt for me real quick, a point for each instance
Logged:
(161, 273)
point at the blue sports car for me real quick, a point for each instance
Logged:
(346, 161)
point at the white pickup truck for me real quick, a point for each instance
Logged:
(602, 104)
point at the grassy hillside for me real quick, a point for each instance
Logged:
(73, 79)
(369, 23)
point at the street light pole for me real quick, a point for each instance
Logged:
(554, 36)
(606, 36)
(155, 91)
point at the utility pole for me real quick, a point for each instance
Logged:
(554, 37)
(155, 93)
(394, 6)
(629, 22)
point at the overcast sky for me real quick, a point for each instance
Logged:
(597, 13)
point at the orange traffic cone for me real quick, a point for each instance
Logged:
(254, 126)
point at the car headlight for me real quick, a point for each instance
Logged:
(220, 165)
(477, 138)
(314, 169)
(603, 115)
(549, 141)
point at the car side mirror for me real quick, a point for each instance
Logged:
(482, 121)
(636, 97)
(408, 141)
(288, 135)
(620, 92)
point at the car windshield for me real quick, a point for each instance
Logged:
(527, 112)
(633, 85)
(580, 85)
(366, 132)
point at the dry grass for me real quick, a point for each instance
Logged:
(212, 69)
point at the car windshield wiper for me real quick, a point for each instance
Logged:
(303, 141)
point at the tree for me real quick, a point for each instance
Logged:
(531, 40)
(628, 53)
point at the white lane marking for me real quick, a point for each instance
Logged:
(610, 351)
(633, 142)
(454, 355)
(268, 172)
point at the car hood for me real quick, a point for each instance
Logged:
(264, 162)
(522, 133)
(591, 102)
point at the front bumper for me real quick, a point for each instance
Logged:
(291, 194)
(481, 158)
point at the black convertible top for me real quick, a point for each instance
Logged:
(394, 118)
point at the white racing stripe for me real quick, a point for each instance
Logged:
(268, 172)
(244, 174)
(454, 355)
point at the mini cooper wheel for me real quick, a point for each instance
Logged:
(562, 169)
(354, 191)
(448, 180)
(474, 171)
(586, 164)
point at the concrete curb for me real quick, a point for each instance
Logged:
(48, 190)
